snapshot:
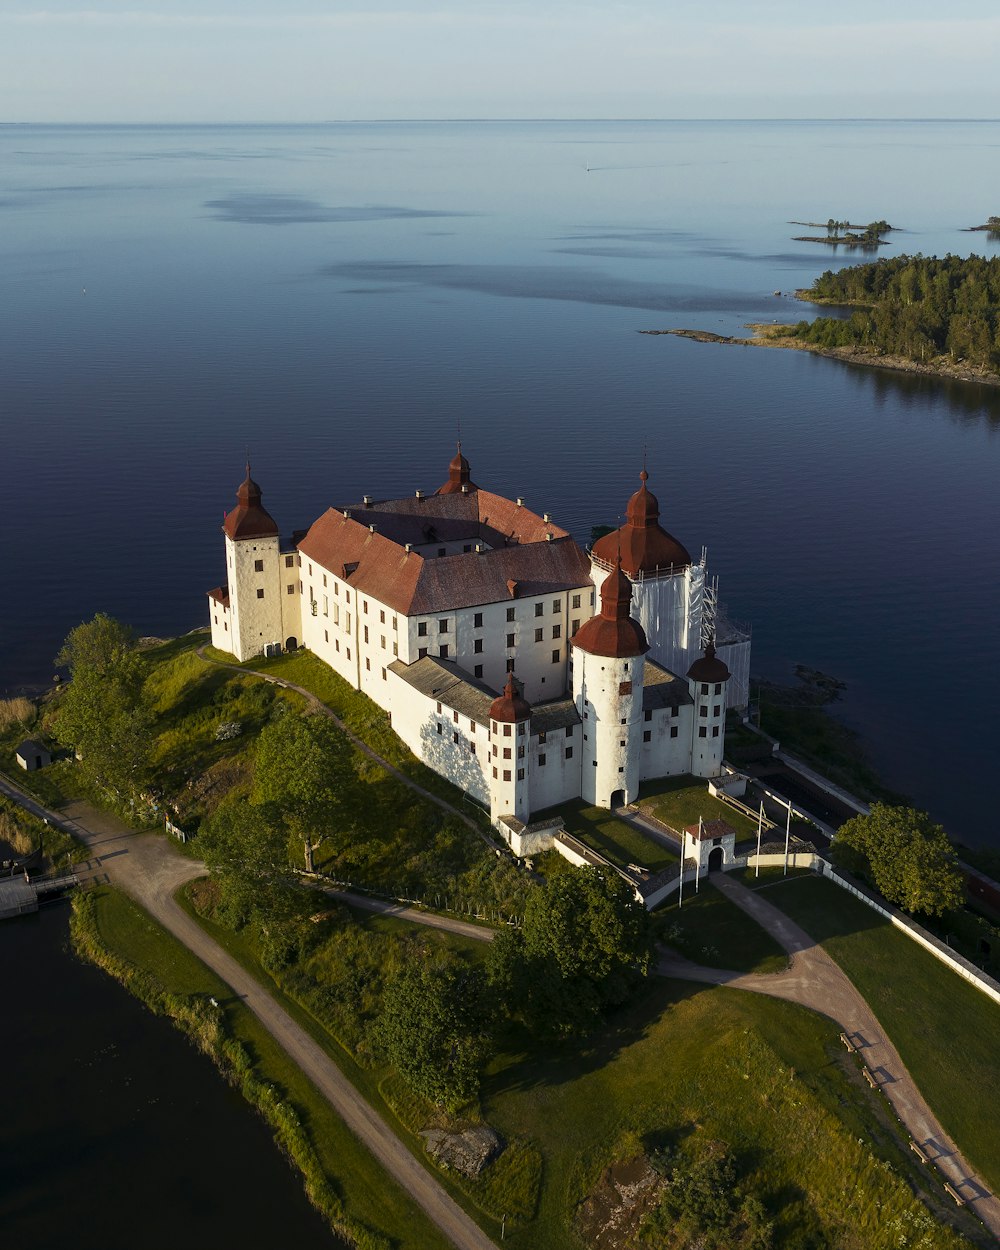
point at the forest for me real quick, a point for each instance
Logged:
(919, 307)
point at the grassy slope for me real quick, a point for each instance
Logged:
(685, 1064)
(709, 929)
(615, 838)
(368, 1196)
(945, 1030)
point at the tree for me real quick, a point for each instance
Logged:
(906, 856)
(303, 774)
(432, 1028)
(247, 852)
(584, 946)
(104, 714)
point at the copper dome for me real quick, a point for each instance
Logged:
(511, 706)
(459, 475)
(708, 667)
(249, 519)
(642, 542)
(613, 632)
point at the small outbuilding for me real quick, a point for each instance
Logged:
(32, 755)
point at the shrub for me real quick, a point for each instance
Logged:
(19, 711)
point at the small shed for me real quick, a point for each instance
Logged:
(32, 755)
(712, 843)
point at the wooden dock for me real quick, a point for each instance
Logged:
(19, 894)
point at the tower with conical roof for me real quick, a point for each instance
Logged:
(708, 678)
(608, 668)
(510, 738)
(256, 608)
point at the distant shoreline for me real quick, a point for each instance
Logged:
(776, 336)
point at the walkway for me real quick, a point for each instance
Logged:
(814, 980)
(432, 919)
(318, 705)
(150, 870)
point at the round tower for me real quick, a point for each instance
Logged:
(253, 574)
(608, 665)
(510, 735)
(707, 680)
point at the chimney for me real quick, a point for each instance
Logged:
(420, 494)
(545, 515)
(409, 548)
(371, 529)
(548, 535)
(368, 501)
(465, 488)
(520, 502)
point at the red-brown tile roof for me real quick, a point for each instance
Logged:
(376, 565)
(249, 519)
(643, 543)
(221, 595)
(613, 632)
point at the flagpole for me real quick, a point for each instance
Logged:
(760, 826)
(788, 834)
(697, 858)
(680, 895)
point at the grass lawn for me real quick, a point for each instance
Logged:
(711, 930)
(617, 839)
(679, 801)
(689, 1065)
(945, 1030)
(369, 1197)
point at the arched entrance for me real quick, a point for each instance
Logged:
(291, 644)
(715, 858)
(617, 799)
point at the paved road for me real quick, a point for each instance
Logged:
(815, 981)
(149, 869)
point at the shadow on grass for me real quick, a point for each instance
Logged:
(526, 1064)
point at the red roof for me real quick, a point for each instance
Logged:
(643, 544)
(710, 829)
(459, 475)
(221, 595)
(249, 519)
(614, 632)
(708, 667)
(511, 705)
(380, 566)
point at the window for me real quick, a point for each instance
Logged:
(300, 586)
(520, 774)
(569, 731)
(647, 716)
(472, 748)
(591, 598)
(556, 656)
(541, 759)
(289, 562)
(336, 589)
(439, 709)
(496, 750)
(506, 774)
(383, 675)
(506, 731)
(421, 629)
(704, 687)
(348, 652)
(395, 623)
(477, 671)
(383, 641)
(324, 579)
(291, 588)
(225, 626)
(510, 640)
(556, 605)
(381, 617)
(336, 644)
(494, 774)
(260, 594)
(348, 595)
(574, 626)
(539, 609)
(702, 731)
(541, 738)
(647, 735)
(510, 666)
(326, 605)
(443, 626)
(520, 730)
(718, 687)
(440, 728)
(395, 648)
(477, 646)
(506, 753)
(703, 710)
(621, 742)
(366, 633)
(442, 550)
(326, 635)
(595, 763)
(454, 737)
(624, 687)
(715, 731)
(421, 653)
(368, 665)
(364, 604)
(556, 631)
(569, 753)
(510, 614)
(520, 753)
(539, 635)
(472, 726)
(673, 731)
(477, 621)
(576, 601)
(215, 619)
(258, 566)
(454, 717)
(443, 651)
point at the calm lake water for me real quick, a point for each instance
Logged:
(341, 299)
(116, 1132)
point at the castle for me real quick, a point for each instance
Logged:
(474, 623)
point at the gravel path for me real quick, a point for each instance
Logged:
(814, 980)
(150, 870)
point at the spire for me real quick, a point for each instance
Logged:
(511, 706)
(642, 543)
(459, 475)
(709, 667)
(249, 519)
(613, 632)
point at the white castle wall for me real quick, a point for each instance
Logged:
(611, 748)
(667, 754)
(255, 617)
(708, 728)
(509, 778)
(558, 779)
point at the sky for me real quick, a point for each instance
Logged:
(306, 60)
